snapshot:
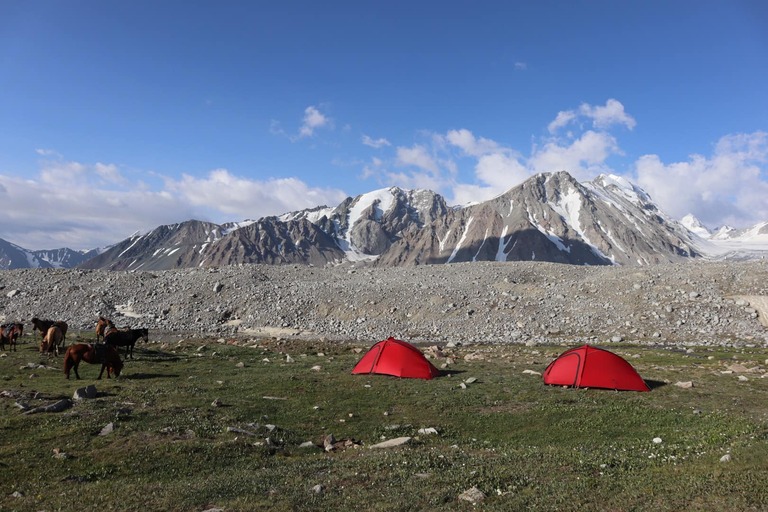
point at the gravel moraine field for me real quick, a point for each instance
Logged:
(711, 303)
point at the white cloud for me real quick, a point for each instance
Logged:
(601, 117)
(472, 146)
(419, 157)
(562, 119)
(610, 114)
(313, 119)
(521, 66)
(583, 158)
(375, 143)
(82, 206)
(239, 198)
(729, 187)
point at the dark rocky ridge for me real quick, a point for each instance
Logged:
(516, 302)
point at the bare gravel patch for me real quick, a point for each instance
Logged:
(717, 303)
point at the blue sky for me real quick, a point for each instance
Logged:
(117, 117)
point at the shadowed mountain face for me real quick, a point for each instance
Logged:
(550, 217)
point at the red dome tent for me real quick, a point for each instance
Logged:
(398, 358)
(592, 367)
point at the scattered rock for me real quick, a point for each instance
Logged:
(59, 406)
(684, 384)
(108, 429)
(86, 392)
(473, 495)
(392, 443)
(726, 458)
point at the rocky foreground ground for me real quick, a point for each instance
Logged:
(715, 303)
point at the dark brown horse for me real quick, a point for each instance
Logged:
(103, 327)
(9, 333)
(126, 338)
(101, 354)
(44, 325)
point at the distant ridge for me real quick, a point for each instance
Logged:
(549, 217)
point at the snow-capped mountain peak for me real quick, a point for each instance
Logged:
(695, 226)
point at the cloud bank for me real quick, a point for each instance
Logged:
(87, 205)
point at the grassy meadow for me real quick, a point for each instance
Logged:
(202, 424)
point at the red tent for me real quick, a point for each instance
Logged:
(592, 367)
(398, 358)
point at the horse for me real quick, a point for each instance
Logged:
(53, 339)
(44, 325)
(103, 327)
(126, 338)
(9, 333)
(102, 354)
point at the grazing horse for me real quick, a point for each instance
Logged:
(126, 338)
(101, 354)
(52, 340)
(44, 325)
(103, 327)
(9, 333)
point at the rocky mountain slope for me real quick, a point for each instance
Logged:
(13, 256)
(484, 302)
(550, 217)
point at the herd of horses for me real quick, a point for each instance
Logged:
(105, 351)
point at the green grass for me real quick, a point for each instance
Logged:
(527, 446)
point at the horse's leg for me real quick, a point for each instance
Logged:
(74, 367)
(102, 371)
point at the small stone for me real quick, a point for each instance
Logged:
(473, 495)
(86, 392)
(108, 429)
(726, 458)
(391, 443)
(318, 489)
(657, 440)
(685, 385)
(216, 403)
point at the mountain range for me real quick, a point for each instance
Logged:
(549, 217)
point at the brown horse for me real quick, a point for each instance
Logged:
(52, 340)
(95, 354)
(44, 325)
(9, 333)
(103, 327)
(126, 338)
